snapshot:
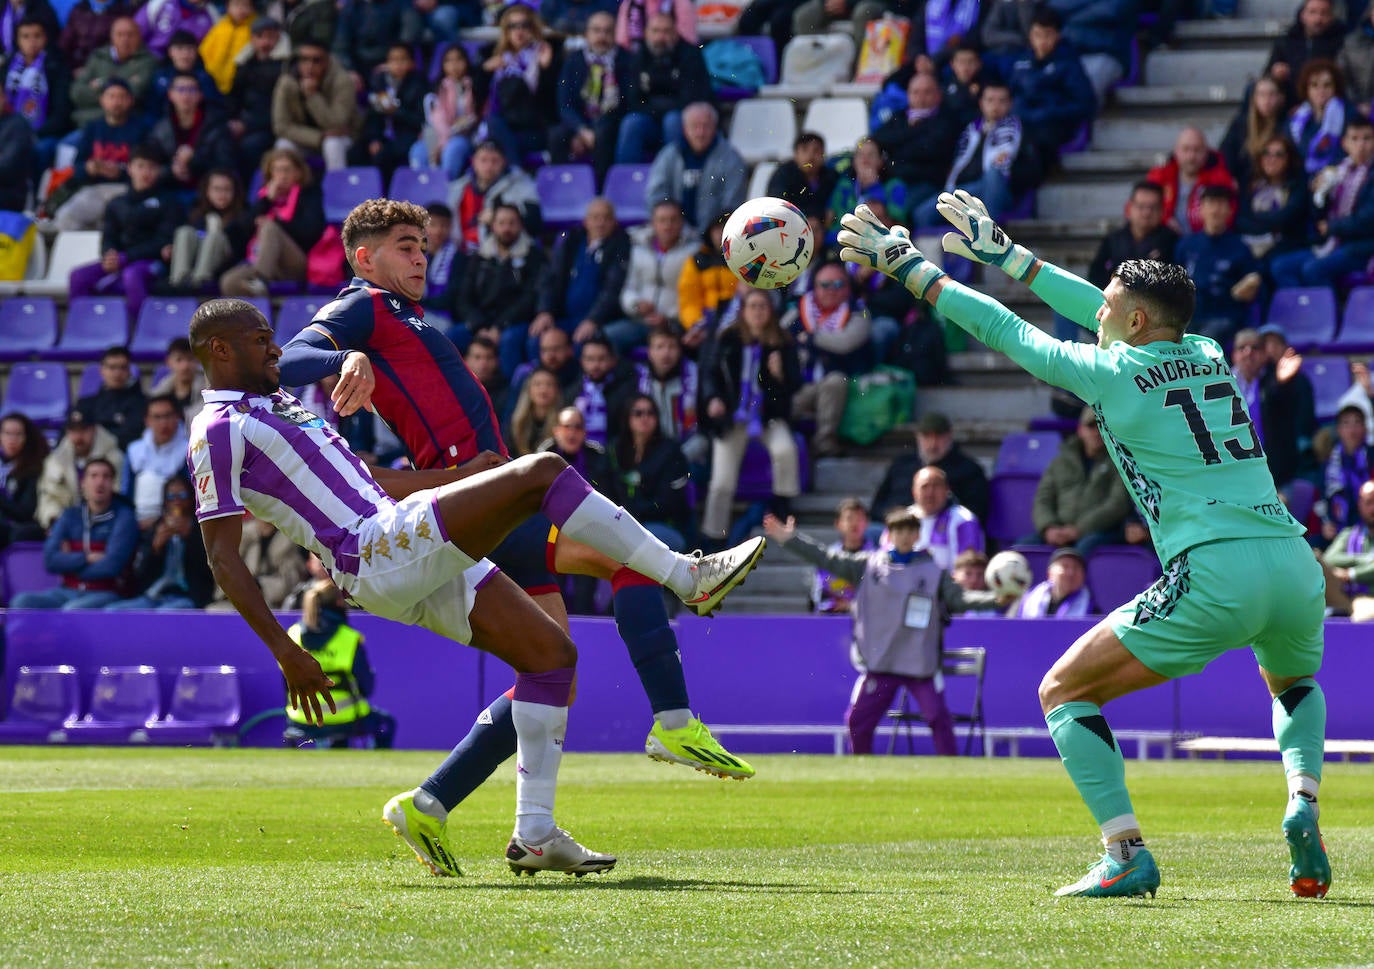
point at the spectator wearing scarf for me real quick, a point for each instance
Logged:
(833, 334)
(596, 87)
(1349, 561)
(748, 390)
(38, 86)
(1317, 123)
(983, 160)
(1347, 469)
(1348, 192)
(524, 81)
(1064, 595)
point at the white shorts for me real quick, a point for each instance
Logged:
(412, 573)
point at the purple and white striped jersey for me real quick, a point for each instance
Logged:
(272, 457)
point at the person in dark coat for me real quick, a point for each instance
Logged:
(249, 102)
(136, 234)
(498, 296)
(1314, 33)
(193, 135)
(1050, 92)
(170, 567)
(580, 293)
(395, 114)
(920, 143)
(805, 181)
(119, 404)
(648, 473)
(596, 88)
(18, 155)
(671, 74)
(88, 28)
(23, 449)
(1144, 236)
(934, 447)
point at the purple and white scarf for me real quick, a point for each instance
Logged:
(1355, 545)
(592, 403)
(750, 409)
(523, 63)
(1345, 474)
(1035, 604)
(26, 86)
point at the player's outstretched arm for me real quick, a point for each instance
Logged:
(979, 238)
(868, 242)
(305, 680)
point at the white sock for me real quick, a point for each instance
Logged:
(427, 803)
(674, 719)
(1305, 787)
(1121, 849)
(539, 730)
(611, 530)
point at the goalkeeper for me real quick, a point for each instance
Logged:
(1236, 569)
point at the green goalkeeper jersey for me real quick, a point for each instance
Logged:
(1171, 415)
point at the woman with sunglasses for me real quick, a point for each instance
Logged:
(1264, 115)
(1275, 205)
(1316, 125)
(524, 80)
(649, 476)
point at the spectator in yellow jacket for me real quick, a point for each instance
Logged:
(706, 285)
(224, 42)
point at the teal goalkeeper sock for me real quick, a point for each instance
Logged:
(1300, 727)
(1092, 758)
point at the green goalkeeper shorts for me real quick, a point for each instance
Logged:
(1265, 593)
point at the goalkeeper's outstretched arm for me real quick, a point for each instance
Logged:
(978, 238)
(1073, 366)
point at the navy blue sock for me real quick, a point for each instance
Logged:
(642, 619)
(488, 745)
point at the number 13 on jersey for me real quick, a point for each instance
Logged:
(1237, 447)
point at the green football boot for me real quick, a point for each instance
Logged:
(426, 835)
(694, 746)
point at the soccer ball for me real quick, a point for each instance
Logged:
(767, 242)
(1008, 573)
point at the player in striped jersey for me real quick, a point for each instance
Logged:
(409, 546)
(375, 337)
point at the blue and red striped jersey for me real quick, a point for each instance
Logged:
(425, 391)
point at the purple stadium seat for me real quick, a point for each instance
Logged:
(1009, 514)
(94, 324)
(124, 699)
(767, 54)
(295, 315)
(45, 700)
(564, 191)
(21, 570)
(756, 471)
(1357, 323)
(436, 63)
(1307, 315)
(205, 703)
(1027, 453)
(345, 188)
(28, 327)
(419, 186)
(90, 379)
(1330, 378)
(1037, 557)
(159, 322)
(38, 390)
(1118, 573)
(625, 189)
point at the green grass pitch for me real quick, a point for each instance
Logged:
(122, 858)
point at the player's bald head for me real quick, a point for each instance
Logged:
(222, 318)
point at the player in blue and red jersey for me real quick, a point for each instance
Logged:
(374, 337)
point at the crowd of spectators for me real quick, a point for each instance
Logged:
(195, 138)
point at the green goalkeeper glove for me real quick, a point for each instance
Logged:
(979, 238)
(868, 242)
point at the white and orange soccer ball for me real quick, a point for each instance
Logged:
(767, 242)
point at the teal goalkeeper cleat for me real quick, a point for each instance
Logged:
(1109, 879)
(427, 836)
(1310, 874)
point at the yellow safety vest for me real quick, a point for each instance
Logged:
(336, 659)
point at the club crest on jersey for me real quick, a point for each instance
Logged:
(761, 224)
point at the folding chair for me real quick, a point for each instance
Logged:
(967, 661)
